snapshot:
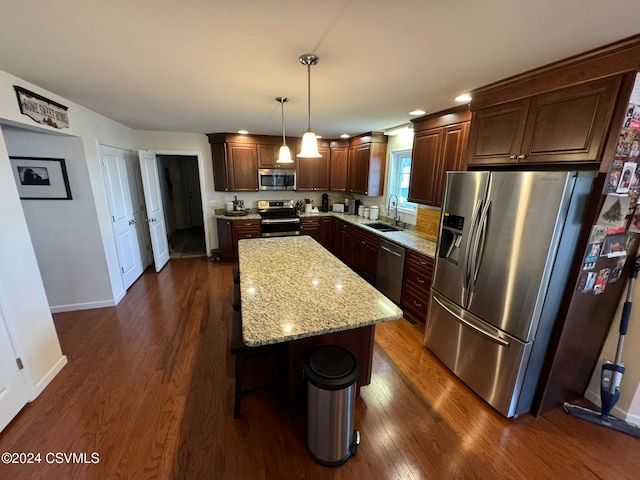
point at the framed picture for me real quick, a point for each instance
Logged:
(41, 178)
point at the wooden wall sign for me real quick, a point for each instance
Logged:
(41, 109)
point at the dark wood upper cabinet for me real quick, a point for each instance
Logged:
(567, 125)
(339, 170)
(439, 146)
(496, 133)
(367, 161)
(313, 173)
(267, 155)
(243, 168)
(424, 158)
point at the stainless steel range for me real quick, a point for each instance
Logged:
(279, 218)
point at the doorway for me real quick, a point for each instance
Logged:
(182, 199)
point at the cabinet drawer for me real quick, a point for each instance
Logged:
(415, 301)
(247, 225)
(420, 261)
(418, 277)
(309, 222)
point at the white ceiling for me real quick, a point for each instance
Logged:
(217, 66)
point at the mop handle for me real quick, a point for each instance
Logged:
(626, 309)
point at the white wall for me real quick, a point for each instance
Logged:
(22, 294)
(65, 233)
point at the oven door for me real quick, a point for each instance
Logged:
(280, 227)
(276, 179)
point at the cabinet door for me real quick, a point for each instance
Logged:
(365, 254)
(326, 232)
(569, 125)
(454, 146)
(304, 174)
(321, 169)
(359, 168)
(243, 167)
(220, 169)
(339, 171)
(267, 156)
(425, 157)
(225, 240)
(496, 133)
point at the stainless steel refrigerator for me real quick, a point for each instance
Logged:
(506, 244)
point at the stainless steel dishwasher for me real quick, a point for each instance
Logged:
(390, 269)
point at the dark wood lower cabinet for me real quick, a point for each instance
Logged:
(225, 239)
(230, 231)
(365, 254)
(418, 272)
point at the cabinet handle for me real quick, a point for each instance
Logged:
(512, 157)
(363, 242)
(420, 280)
(422, 262)
(417, 304)
(521, 157)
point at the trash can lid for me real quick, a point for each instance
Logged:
(331, 367)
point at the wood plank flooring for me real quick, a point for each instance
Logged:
(149, 387)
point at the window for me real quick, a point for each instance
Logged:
(399, 175)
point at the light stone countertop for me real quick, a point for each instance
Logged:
(405, 238)
(292, 287)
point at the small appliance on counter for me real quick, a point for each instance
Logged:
(353, 206)
(324, 207)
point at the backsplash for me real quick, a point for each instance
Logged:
(428, 222)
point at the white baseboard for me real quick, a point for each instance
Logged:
(42, 384)
(616, 411)
(84, 306)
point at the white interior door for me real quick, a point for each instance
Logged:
(155, 210)
(139, 209)
(122, 214)
(13, 391)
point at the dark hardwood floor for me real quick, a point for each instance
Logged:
(149, 387)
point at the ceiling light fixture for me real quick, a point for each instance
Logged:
(243, 132)
(309, 147)
(465, 97)
(417, 112)
(345, 135)
(285, 153)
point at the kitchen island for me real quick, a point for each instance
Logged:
(296, 293)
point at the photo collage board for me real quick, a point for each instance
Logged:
(618, 224)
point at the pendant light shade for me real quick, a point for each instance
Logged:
(285, 153)
(309, 147)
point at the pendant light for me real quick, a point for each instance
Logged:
(309, 147)
(285, 153)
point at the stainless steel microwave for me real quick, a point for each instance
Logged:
(276, 179)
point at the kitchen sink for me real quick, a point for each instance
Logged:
(382, 227)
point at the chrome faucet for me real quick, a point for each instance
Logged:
(396, 217)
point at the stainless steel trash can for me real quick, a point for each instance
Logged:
(331, 372)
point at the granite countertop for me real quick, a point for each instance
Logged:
(292, 287)
(405, 238)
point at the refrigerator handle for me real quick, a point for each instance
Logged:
(478, 252)
(489, 335)
(468, 252)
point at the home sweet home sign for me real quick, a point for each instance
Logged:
(41, 109)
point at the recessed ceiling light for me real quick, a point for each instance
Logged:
(345, 135)
(318, 136)
(465, 97)
(417, 112)
(243, 131)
